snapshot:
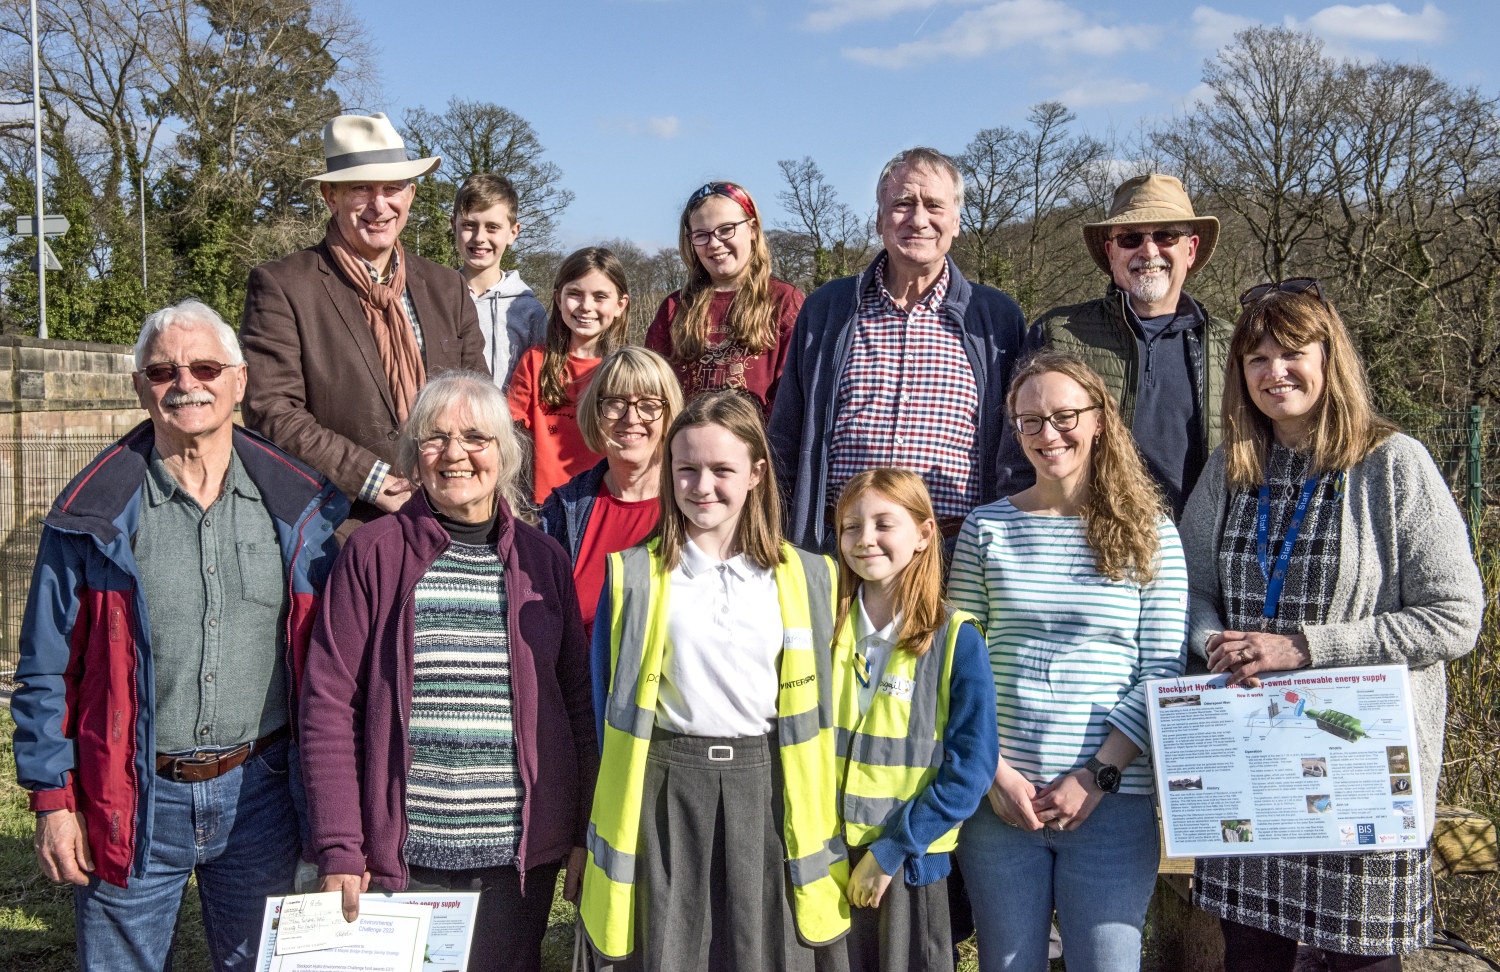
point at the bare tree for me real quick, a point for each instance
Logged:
(836, 240)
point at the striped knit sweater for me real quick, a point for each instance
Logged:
(1069, 648)
(463, 795)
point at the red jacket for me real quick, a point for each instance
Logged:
(86, 690)
(356, 701)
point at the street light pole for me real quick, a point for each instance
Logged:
(143, 224)
(36, 112)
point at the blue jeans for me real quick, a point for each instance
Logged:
(238, 832)
(1098, 877)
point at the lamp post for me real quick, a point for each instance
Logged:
(36, 112)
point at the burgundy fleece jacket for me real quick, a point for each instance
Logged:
(356, 695)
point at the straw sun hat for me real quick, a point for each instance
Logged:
(1152, 198)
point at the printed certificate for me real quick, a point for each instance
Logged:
(407, 932)
(1312, 761)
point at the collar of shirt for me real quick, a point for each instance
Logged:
(864, 628)
(932, 301)
(390, 267)
(162, 486)
(694, 562)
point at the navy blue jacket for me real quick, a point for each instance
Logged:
(566, 513)
(801, 426)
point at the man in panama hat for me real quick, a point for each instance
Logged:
(340, 336)
(1160, 353)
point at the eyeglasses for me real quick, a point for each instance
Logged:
(437, 443)
(1293, 285)
(723, 232)
(614, 409)
(165, 371)
(1063, 420)
(1162, 238)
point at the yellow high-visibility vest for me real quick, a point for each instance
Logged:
(892, 752)
(817, 860)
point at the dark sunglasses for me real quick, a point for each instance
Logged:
(1294, 285)
(1162, 238)
(163, 372)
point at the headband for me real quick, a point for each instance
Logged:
(728, 190)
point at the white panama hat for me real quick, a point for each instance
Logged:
(366, 148)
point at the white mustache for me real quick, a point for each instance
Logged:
(174, 398)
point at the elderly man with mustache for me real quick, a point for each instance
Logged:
(1160, 353)
(169, 612)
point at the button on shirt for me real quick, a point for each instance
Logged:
(215, 593)
(720, 671)
(908, 398)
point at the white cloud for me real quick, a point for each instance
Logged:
(832, 14)
(664, 127)
(1376, 22)
(1105, 93)
(1050, 24)
(1212, 29)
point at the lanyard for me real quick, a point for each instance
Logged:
(1276, 578)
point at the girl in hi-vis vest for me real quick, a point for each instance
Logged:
(916, 702)
(713, 842)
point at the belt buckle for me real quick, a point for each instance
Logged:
(721, 754)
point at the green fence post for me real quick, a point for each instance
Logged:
(1476, 483)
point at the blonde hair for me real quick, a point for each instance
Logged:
(751, 319)
(1124, 504)
(759, 532)
(919, 591)
(553, 383)
(476, 396)
(1345, 426)
(631, 370)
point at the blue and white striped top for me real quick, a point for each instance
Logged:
(1069, 648)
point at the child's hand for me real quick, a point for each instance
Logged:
(1010, 797)
(1067, 801)
(867, 884)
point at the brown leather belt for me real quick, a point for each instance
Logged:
(210, 765)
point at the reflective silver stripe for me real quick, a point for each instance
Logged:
(799, 728)
(870, 811)
(912, 751)
(621, 710)
(820, 591)
(617, 865)
(350, 159)
(806, 870)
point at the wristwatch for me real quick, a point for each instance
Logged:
(1106, 777)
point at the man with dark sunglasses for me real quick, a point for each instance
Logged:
(175, 585)
(1160, 353)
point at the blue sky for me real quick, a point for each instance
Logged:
(640, 101)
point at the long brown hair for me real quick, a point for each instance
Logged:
(919, 591)
(752, 315)
(1345, 424)
(759, 531)
(580, 263)
(1124, 505)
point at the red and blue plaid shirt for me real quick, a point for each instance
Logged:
(907, 398)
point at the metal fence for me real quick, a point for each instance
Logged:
(1465, 444)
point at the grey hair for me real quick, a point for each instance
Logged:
(920, 157)
(476, 395)
(189, 313)
(630, 370)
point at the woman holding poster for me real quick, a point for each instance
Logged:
(1319, 536)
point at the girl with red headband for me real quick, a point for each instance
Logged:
(730, 326)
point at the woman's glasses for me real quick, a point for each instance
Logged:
(437, 443)
(724, 232)
(165, 371)
(1293, 285)
(1063, 420)
(614, 409)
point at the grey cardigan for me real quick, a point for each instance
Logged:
(1407, 593)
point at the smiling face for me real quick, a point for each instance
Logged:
(186, 411)
(631, 439)
(459, 484)
(589, 305)
(1060, 457)
(1286, 385)
(371, 215)
(918, 219)
(725, 260)
(712, 476)
(482, 237)
(1152, 275)
(878, 538)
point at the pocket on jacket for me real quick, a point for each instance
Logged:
(261, 569)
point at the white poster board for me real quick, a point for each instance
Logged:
(1312, 761)
(406, 932)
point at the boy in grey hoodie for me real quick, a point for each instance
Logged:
(484, 225)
